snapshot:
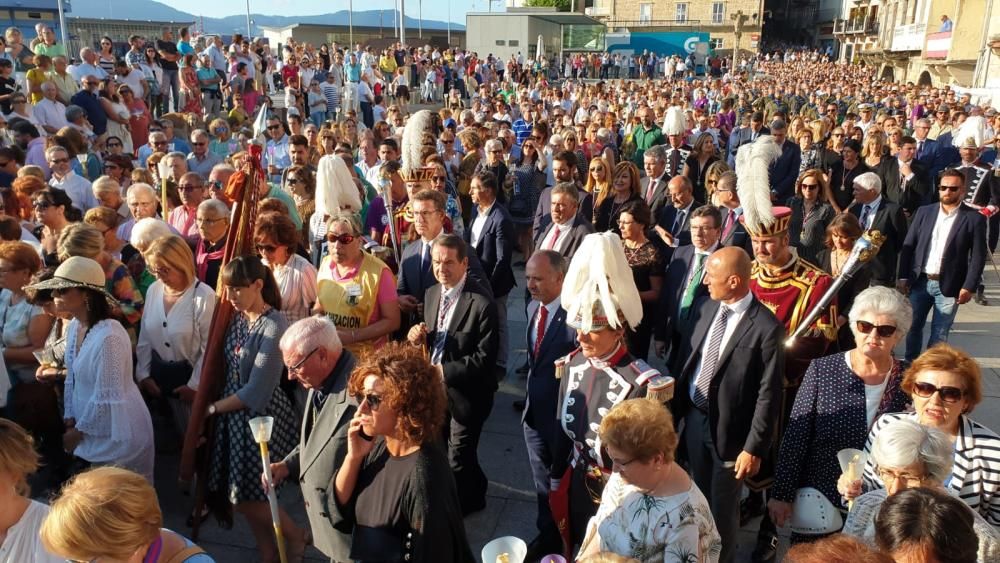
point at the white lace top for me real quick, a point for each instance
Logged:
(105, 401)
(22, 542)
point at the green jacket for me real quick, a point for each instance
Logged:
(643, 139)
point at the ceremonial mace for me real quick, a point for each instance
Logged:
(865, 248)
(261, 429)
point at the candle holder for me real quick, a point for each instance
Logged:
(261, 427)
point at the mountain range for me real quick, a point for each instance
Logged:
(149, 10)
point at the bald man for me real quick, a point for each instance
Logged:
(729, 388)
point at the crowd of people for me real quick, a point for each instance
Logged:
(695, 222)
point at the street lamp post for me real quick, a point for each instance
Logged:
(449, 23)
(249, 25)
(739, 18)
(350, 23)
(402, 22)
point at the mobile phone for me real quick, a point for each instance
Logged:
(364, 436)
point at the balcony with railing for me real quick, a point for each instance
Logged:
(908, 37)
(859, 26)
(938, 45)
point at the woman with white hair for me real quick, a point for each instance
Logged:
(840, 398)
(145, 232)
(908, 455)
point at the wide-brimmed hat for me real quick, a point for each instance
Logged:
(77, 271)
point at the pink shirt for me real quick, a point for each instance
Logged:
(182, 220)
(386, 288)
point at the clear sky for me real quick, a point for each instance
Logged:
(432, 9)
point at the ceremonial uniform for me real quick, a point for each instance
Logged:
(588, 389)
(982, 189)
(676, 159)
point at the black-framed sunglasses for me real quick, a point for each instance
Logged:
(41, 205)
(266, 248)
(942, 188)
(885, 331)
(215, 185)
(291, 181)
(188, 187)
(949, 394)
(342, 239)
(374, 401)
(298, 365)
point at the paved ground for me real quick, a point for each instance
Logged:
(511, 505)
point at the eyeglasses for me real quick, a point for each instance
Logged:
(942, 188)
(273, 127)
(888, 475)
(298, 365)
(805, 186)
(215, 185)
(342, 239)
(160, 272)
(268, 248)
(59, 161)
(199, 144)
(292, 181)
(188, 187)
(448, 141)
(623, 464)
(41, 205)
(885, 331)
(374, 401)
(437, 179)
(159, 143)
(948, 394)
(203, 221)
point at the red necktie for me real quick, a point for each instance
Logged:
(553, 239)
(543, 316)
(729, 223)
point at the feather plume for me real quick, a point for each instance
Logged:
(413, 136)
(974, 127)
(599, 273)
(674, 123)
(753, 183)
(335, 189)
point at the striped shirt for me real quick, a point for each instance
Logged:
(975, 477)
(332, 94)
(522, 129)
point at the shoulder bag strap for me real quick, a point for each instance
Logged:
(185, 553)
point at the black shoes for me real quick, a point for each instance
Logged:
(981, 297)
(766, 550)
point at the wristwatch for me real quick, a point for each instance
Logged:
(211, 409)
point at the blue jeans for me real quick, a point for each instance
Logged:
(171, 90)
(924, 295)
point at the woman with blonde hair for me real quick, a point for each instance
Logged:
(110, 513)
(20, 517)
(873, 150)
(608, 204)
(106, 221)
(598, 176)
(712, 175)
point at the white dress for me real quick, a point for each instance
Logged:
(22, 543)
(297, 285)
(673, 529)
(118, 129)
(105, 401)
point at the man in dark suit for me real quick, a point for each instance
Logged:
(653, 188)
(564, 170)
(907, 180)
(732, 232)
(748, 133)
(415, 274)
(683, 286)
(548, 339)
(876, 212)
(930, 153)
(941, 261)
(491, 237)
(785, 170)
(563, 229)
(729, 389)
(314, 356)
(461, 334)
(673, 224)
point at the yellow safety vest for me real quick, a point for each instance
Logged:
(349, 303)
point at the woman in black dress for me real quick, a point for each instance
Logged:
(810, 214)
(647, 265)
(703, 155)
(843, 173)
(395, 483)
(609, 203)
(844, 230)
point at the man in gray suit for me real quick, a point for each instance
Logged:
(315, 357)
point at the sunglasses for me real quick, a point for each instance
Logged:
(374, 401)
(342, 239)
(944, 188)
(292, 181)
(215, 185)
(41, 205)
(885, 331)
(449, 142)
(273, 127)
(948, 394)
(809, 186)
(59, 161)
(268, 248)
(188, 188)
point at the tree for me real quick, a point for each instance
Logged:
(559, 5)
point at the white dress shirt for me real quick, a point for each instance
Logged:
(870, 209)
(564, 228)
(51, 113)
(78, 189)
(736, 312)
(939, 237)
(479, 222)
(552, 307)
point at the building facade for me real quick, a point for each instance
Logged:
(716, 18)
(25, 14)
